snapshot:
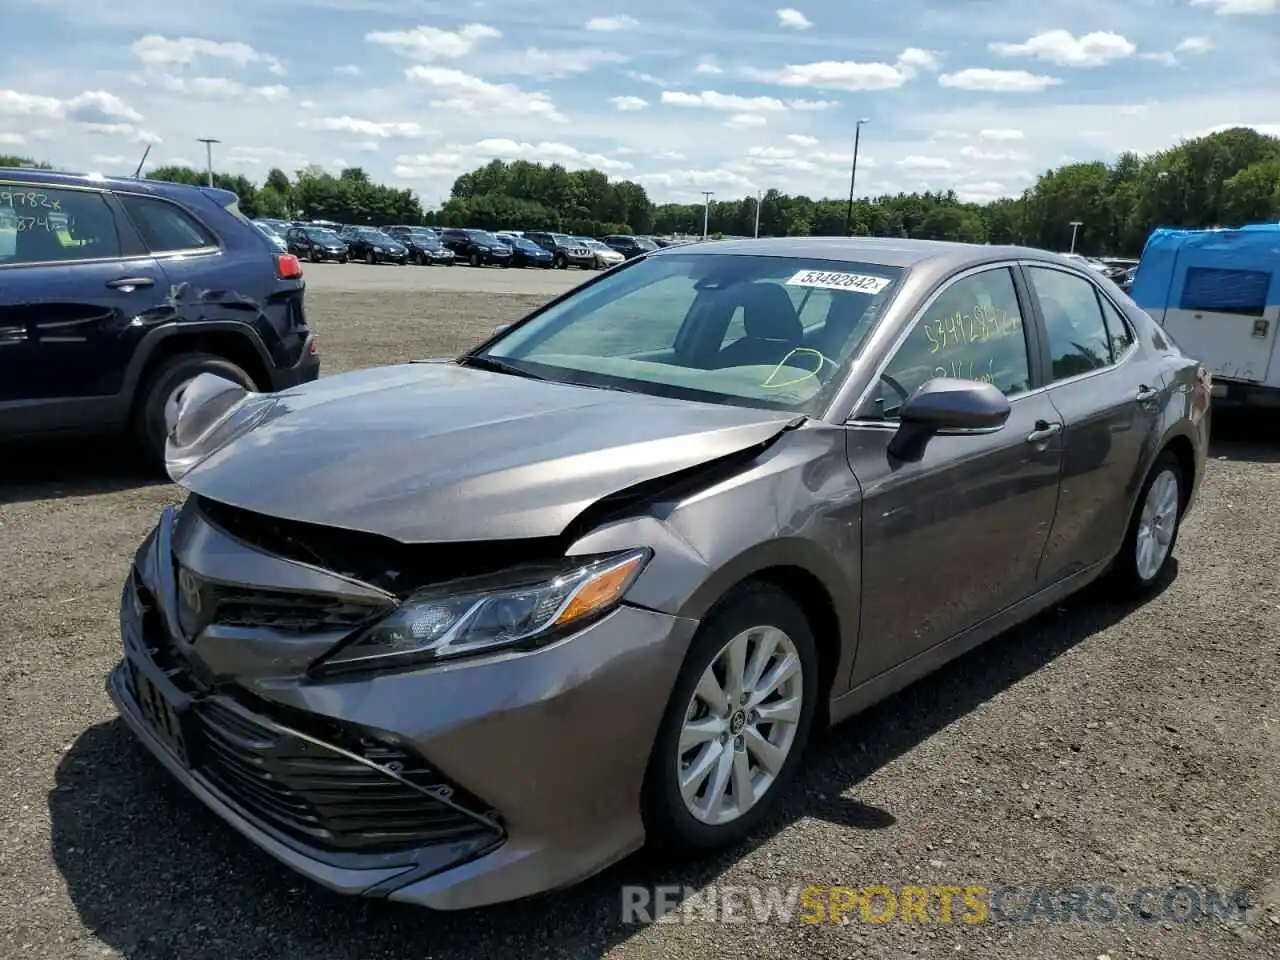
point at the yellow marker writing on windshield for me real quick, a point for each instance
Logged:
(768, 381)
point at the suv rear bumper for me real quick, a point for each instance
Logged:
(304, 371)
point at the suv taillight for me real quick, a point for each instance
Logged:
(288, 267)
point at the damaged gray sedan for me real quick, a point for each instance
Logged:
(457, 632)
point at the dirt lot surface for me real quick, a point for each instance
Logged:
(1097, 746)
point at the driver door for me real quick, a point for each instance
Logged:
(957, 537)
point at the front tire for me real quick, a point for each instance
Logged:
(736, 724)
(475, 259)
(560, 263)
(370, 259)
(1147, 553)
(162, 389)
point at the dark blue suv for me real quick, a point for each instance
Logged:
(116, 293)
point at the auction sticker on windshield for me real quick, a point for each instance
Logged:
(861, 282)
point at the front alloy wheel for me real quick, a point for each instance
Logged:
(740, 725)
(736, 723)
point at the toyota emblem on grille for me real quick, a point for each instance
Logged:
(189, 588)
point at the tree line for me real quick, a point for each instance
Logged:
(1223, 179)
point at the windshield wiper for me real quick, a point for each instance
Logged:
(483, 362)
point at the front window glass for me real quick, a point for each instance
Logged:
(660, 326)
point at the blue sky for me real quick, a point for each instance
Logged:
(725, 95)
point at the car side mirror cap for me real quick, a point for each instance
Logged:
(946, 405)
(499, 328)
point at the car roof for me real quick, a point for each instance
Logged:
(159, 188)
(886, 251)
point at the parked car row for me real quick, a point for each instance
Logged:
(321, 240)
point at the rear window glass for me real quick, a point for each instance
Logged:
(164, 226)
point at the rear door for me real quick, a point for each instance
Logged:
(1109, 394)
(1226, 317)
(77, 292)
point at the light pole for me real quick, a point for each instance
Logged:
(853, 176)
(208, 152)
(759, 194)
(706, 210)
(1075, 227)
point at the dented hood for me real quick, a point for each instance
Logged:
(432, 452)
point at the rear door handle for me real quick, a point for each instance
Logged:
(1146, 394)
(1044, 431)
(128, 284)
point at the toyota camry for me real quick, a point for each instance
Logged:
(460, 631)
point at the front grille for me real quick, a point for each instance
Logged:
(290, 612)
(315, 793)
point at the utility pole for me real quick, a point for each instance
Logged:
(1075, 228)
(759, 194)
(706, 210)
(208, 152)
(853, 176)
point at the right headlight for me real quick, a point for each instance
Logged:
(516, 612)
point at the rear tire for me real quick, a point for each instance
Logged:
(163, 385)
(1147, 552)
(560, 262)
(475, 259)
(370, 259)
(758, 611)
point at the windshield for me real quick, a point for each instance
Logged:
(775, 332)
(483, 236)
(368, 233)
(423, 236)
(527, 245)
(323, 236)
(266, 228)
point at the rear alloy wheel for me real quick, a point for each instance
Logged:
(475, 259)
(163, 389)
(370, 259)
(1145, 557)
(736, 724)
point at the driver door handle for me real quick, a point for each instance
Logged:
(1146, 394)
(1044, 431)
(129, 284)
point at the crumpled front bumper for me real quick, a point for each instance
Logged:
(555, 741)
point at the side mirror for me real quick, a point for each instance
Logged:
(499, 328)
(947, 406)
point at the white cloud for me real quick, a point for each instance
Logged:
(793, 19)
(913, 59)
(629, 103)
(217, 87)
(1239, 7)
(732, 102)
(918, 163)
(1167, 57)
(698, 179)
(464, 92)
(347, 70)
(547, 152)
(802, 139)
(850, 74)
(382, 130)
(156, 50)
(612, 24)
(432, 43)
(993, 156)
(12, 139)
(709, 69)
(550, 64)
(1062, 48)
(97, 112)
(458, 158)
(109, 159)
(648, 78)
(1194, 45)
(984, 192)
(1001, 136)
(668, 155)
(742, 121)
(997, 81)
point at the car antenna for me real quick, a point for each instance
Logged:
(138, 172)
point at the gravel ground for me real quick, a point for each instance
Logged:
(1097, 745)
